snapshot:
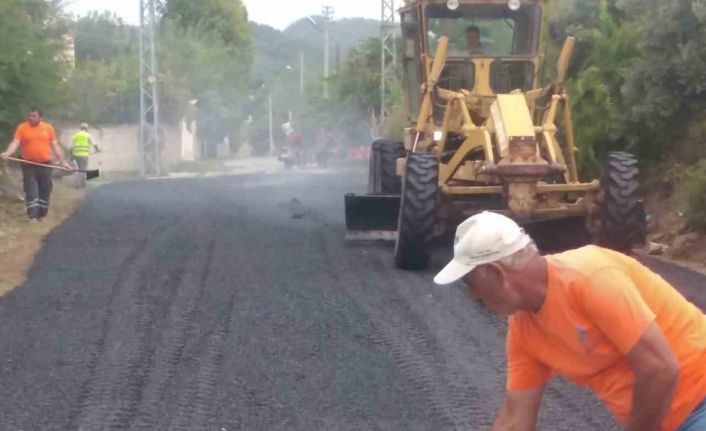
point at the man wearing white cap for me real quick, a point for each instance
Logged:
(81, 144)
(599, 318)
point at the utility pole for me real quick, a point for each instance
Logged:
(389, 49)
(150, 146)
(328, 18)
(337, 69)
(271, 123)
(301, 73)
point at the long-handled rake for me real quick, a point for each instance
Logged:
(90, 174)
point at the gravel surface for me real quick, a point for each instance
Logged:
(234, 304)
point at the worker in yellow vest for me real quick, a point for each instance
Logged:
(81, 151)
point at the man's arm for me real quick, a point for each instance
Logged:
(59, 153)
(616, 307)
(656, 375)
(12, 149)
(526, 379)
(520, 410)
(95, 147)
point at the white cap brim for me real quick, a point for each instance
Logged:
(453, 272)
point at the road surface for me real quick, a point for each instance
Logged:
(233, 304)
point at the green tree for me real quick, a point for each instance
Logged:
(358, 83)
(356, 94)
(640, 83)
(206, 51)
(226, 19)
(596, 90)
(32, 61)
(105, 92)
(352, 102)
(666, 89)
(104, 86)
(104, 37)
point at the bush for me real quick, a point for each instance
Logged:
(396, 123)
(31, 41)
(693, 195)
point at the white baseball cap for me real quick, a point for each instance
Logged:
(482, 239)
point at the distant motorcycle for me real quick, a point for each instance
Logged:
(292, 158)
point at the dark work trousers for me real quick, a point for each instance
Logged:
(82, 163)
(38, 186)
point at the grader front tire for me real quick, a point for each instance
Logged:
(623, 215)
(417, 212)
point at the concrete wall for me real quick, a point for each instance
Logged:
(119, 146)
(189, 149)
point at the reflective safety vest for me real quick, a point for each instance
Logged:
(81, 144)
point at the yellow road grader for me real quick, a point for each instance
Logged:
(486, 135)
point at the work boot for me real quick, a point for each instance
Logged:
(43, 210)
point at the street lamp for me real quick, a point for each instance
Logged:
(270, 117)
(301, 72)
(313, 22)
(270, 108)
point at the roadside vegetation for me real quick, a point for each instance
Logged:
(639, 83)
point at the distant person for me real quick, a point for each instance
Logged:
(37, 143)
(597, 317)
(473, 41)
(81, 144)
(293, 139)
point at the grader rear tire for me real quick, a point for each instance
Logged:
(623, 215)
(417, 212)
(383, 157)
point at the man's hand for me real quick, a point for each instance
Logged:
(656, 374)
(59, 153)
(519, 413)
(14, 146)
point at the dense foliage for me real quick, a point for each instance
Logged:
(104, 86)
(639, 82)
(693, 194)
(33, 64)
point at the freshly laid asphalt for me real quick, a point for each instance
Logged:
(233, 303)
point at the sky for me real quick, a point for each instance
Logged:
(276, 13)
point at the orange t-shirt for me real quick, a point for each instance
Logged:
(35, 142)
(599, 304)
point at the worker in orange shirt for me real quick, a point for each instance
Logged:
(37, 143)
(597, 317)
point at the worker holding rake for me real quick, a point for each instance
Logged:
(38, 145)
(599, 318)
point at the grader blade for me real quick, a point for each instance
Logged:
(371, 217)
